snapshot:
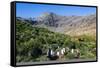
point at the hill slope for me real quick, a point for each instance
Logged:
(32, 44)
(71, 25)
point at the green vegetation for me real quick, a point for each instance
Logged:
(32, 43)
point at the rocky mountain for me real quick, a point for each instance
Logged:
(72, 25)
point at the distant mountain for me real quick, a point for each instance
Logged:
(72, 25)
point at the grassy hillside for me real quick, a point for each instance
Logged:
(32, 43)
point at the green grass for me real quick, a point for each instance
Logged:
(30, 39)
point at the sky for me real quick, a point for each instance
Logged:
(29, 10)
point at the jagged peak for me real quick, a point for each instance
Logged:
(48, 14)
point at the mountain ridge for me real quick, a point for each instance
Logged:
(71, 25)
